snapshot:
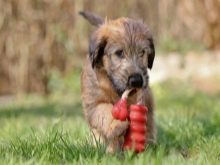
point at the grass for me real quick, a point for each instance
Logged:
(52, 130)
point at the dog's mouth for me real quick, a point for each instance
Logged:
(121, 89)
(120, 92)
(133, 92)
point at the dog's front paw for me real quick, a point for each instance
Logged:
(117, 128)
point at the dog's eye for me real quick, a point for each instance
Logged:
(119, 53)
(141, 54)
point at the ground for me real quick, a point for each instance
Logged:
(52, 130)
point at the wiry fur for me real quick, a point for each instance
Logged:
(105, 76)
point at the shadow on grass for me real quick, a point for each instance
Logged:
(47, 110)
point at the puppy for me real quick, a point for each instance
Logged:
(120, 53)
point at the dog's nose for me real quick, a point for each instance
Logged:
(135, 80)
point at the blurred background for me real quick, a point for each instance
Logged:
(43, 42)
(42, 47)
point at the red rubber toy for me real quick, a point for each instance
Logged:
(119, 111)
(135, 137)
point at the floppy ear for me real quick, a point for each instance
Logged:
(151, 55)
(96, 50)
(92, 18)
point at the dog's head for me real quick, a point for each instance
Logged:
(124, 48)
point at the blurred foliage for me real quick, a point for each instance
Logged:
(39, 38)
(168, 44)
(69, 83)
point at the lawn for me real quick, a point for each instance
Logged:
(52, 130)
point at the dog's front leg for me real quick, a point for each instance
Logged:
(108, 128)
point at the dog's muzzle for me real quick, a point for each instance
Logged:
(135, 81)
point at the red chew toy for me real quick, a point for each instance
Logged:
(119, 111)
(135, 136)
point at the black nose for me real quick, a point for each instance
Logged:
(135, 80)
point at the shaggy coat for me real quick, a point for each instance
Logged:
(118, 49)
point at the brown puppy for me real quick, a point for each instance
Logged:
(120, 51)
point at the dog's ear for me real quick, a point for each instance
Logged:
(152, 54)
(92, 18)
(96, 49)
